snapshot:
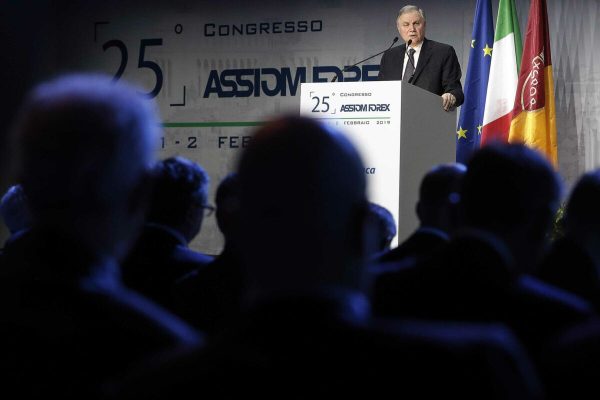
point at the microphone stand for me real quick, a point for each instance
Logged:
(366, 59)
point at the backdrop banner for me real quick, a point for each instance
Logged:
(220, 69)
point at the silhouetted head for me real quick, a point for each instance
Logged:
(86, 146)
(384, 226)
(14, 209)
(513, 192)
(179, 196)
(227, 201)
(439, 197)
(303, 206)
(582, 213)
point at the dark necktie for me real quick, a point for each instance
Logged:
(410, 70)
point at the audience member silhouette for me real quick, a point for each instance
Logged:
(573, 261)
(161, 255)
(210, 296)
(508, 198)
(437, 210)
(16, 215)
(571, 363)
(14, 210)
(385, 225)
(306, 331)
(68, 325)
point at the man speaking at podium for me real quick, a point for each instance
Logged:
(430, 65)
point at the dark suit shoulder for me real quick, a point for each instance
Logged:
(390, 68)
(395, 51)
(545, 293)
(419, 244)
(186, 255)
(438, 45)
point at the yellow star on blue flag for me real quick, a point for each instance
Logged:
(487, 51)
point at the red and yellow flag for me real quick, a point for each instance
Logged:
(534, 114)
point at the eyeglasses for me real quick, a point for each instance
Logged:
(208, 210)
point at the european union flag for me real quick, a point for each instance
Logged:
(470, 121)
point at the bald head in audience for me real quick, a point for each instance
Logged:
(513, 192)
(303, 208)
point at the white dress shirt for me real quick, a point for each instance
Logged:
(416, 57)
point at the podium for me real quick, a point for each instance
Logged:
(400, 130)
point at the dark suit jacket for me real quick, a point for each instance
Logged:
(326, 346)
(472, 279)
(571, 364)
(569, 266)
(421, 243)
(158, 259)
(438, 70)
(67, 323)
(211, 296)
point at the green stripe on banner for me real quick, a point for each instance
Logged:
(211, 124)
(354, 118)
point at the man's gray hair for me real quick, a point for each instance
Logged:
(409, 9)
(84, 142)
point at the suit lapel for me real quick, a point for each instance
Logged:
(423, 59)
(402, 53)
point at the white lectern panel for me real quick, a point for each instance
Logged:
(369, 114)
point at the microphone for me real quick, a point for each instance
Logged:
(366, 59)
(411, 62)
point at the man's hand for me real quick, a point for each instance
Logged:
(448, 101)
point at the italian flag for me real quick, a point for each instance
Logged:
(504, 74)
(534, 114)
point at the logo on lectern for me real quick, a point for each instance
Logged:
(365, 108)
